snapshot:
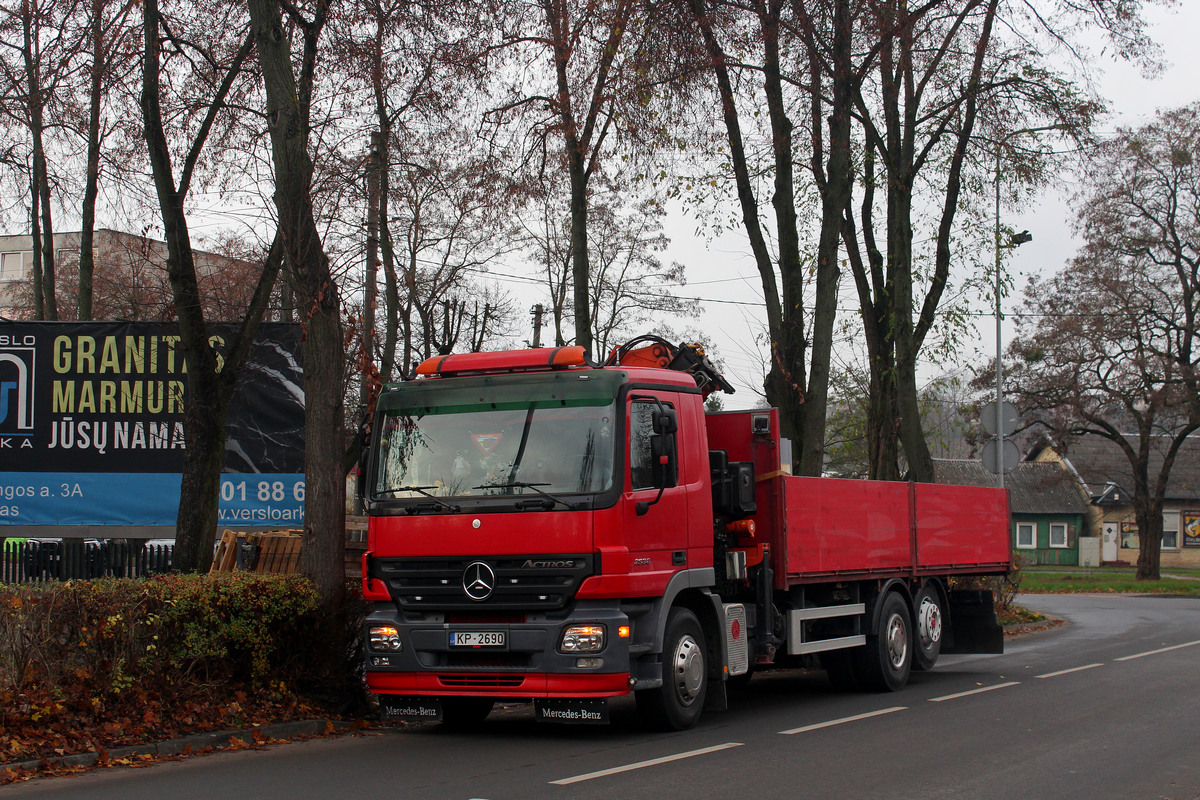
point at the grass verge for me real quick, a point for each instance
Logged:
(1113, 580)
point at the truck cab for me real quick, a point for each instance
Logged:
(525, 523)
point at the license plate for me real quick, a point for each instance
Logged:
(478, 639)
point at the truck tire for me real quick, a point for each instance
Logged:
(928, 627)
(676, 705)
(462, 713)
(884, 664)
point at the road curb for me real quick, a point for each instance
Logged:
(1049, 622)
(193, 743)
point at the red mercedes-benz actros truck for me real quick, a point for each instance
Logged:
(547, 529)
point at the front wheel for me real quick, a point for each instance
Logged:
(886, 661)
(676, 705)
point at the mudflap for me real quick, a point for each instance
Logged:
(577, 711)
(399, 707)
(974, 627)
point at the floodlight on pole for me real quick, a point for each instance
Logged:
(1015, 240)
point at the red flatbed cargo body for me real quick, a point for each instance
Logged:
(823, 529)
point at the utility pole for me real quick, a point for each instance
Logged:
(537, 325)
(1016, 240)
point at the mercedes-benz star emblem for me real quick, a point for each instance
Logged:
(478, 581)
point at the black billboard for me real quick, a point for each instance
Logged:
(91, 425)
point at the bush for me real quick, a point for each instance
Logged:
(92, 664)
(237, 625)
(150, 656)
(162, 630)
(1004, 588)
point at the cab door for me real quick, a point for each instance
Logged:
(655, 514)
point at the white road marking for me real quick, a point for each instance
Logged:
(1068, 671)
(642, 764)
(974, 691)
(1160, 650)
(833, 722)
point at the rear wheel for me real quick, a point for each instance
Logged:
(465, 712)
(676, 705)
(928, 627)
(886, 661)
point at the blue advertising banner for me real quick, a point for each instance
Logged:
(91, 426)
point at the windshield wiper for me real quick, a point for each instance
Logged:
(525, 485)
(424, 491)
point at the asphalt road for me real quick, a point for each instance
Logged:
(1104, 707)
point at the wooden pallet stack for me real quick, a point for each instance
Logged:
(263, 552)
(356, 545)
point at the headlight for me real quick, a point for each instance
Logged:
(384, 638)
(582, 639)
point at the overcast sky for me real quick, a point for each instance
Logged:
(723, 272)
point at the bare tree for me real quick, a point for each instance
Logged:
(35, 57)
(451, 220)
(1111, 348)
(111, 57)
(631, 288)
(815, 38)
(211, 384)
(288, 79)
(605, 62)
(417, 61)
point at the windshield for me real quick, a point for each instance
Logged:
(534, 435)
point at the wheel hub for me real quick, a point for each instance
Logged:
(897, 641)
(688, 670)
(929, 625)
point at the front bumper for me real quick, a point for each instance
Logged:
(499, 685)
(528, 666)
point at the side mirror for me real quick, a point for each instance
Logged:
(665, 466)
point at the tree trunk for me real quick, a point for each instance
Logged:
(883, 443)
(788, 382)
(40, 202)
(87, 257)
(35, 234)
(288, 124)
(836, 191)
(781, 385)
(875, 293)
(210, 384)
(1150, 532)
(204, 417)
(581, 268)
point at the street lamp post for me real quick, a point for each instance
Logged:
(1017, 239)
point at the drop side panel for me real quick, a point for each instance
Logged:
(961, 526)
(847, 527)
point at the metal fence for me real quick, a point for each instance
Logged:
(72, 559)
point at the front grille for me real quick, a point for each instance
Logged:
(481, 681)
(532, 582)
(488, 660)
